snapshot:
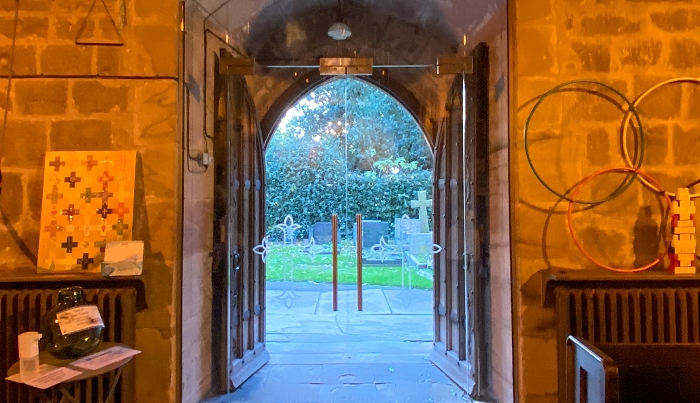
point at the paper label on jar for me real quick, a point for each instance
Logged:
(79, 318)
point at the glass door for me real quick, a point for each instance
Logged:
(349, 180)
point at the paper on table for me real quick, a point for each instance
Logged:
(48, 376)
(103, 358)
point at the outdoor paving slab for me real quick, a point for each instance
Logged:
(289, 300)
(302, 323)
(449, 393)
(387, 327)
(287, 392)
(277, 337)
(409, 392)
(389, 373)
(348, 358)
(374, 301)
(347, 373)
(294, 373)
(410, 301)
(405, 392)
(394, 347)
(350, 337)
(349, 393)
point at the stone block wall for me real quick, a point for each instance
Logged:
(197, 376)
(501, 309)
(75, 97)
(628, 44)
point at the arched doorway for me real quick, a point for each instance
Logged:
(458, 189)
(348, 148)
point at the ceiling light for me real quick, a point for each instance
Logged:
(339, 31)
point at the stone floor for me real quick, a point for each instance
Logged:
(321, 356)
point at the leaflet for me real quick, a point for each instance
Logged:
(48, 376)
(104, 358)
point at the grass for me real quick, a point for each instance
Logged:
(289, 263)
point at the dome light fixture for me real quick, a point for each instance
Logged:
(339, 31)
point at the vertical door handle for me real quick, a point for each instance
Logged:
(236, 261)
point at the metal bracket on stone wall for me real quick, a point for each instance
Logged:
(455, 64)
(236, 66)
(119, 41)
(345, 66)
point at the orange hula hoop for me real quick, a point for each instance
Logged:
(569, 221)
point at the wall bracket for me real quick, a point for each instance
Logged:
(236, 66)
(345, 66)
(455, 64)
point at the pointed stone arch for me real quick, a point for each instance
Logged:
(305, 84)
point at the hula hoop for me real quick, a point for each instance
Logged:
(571, 227)
(625, 128)
(630, 108)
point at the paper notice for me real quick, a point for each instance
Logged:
(103, 358)
(48, 376)
(79, 318)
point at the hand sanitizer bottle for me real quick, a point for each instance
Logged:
(28, 355)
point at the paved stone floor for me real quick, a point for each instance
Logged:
(321, 356)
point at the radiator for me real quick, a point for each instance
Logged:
(633, 315)
(21, 310)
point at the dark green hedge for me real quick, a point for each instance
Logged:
(311, 196)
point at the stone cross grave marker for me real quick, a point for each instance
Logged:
(422, 205)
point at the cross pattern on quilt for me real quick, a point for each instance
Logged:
(88, 200)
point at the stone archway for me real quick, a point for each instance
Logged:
(313, 79)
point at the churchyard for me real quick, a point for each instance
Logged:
(291, 263)
(402, 260)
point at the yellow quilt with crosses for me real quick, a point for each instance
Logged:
(88, 200)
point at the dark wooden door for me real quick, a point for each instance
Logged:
(246, 271)
(461, 226)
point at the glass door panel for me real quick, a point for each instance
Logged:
(351, 150)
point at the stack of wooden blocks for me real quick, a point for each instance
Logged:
(682, 252)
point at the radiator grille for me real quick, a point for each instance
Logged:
(22, 310)
(634, 315)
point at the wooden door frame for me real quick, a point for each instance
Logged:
(464, 271)
(307, 83)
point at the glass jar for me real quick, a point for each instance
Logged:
(75, 344)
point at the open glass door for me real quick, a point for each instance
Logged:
(349, 162)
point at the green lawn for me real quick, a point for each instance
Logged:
(289, 261)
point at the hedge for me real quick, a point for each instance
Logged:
(312, 196)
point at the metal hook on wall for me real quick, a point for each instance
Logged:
(83, 25)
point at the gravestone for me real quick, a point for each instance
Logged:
(372, 232)
(322, 232)
(420, 250)
(404, 227)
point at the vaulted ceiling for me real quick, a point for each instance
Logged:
(287, 29)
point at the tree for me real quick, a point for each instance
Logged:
(346, 147)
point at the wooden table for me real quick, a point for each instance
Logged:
(116, 369)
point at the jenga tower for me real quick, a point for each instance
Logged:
(682, 252)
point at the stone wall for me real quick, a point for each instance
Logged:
(74, 97)
(499, 211)
(198, 214)
(630, 45)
